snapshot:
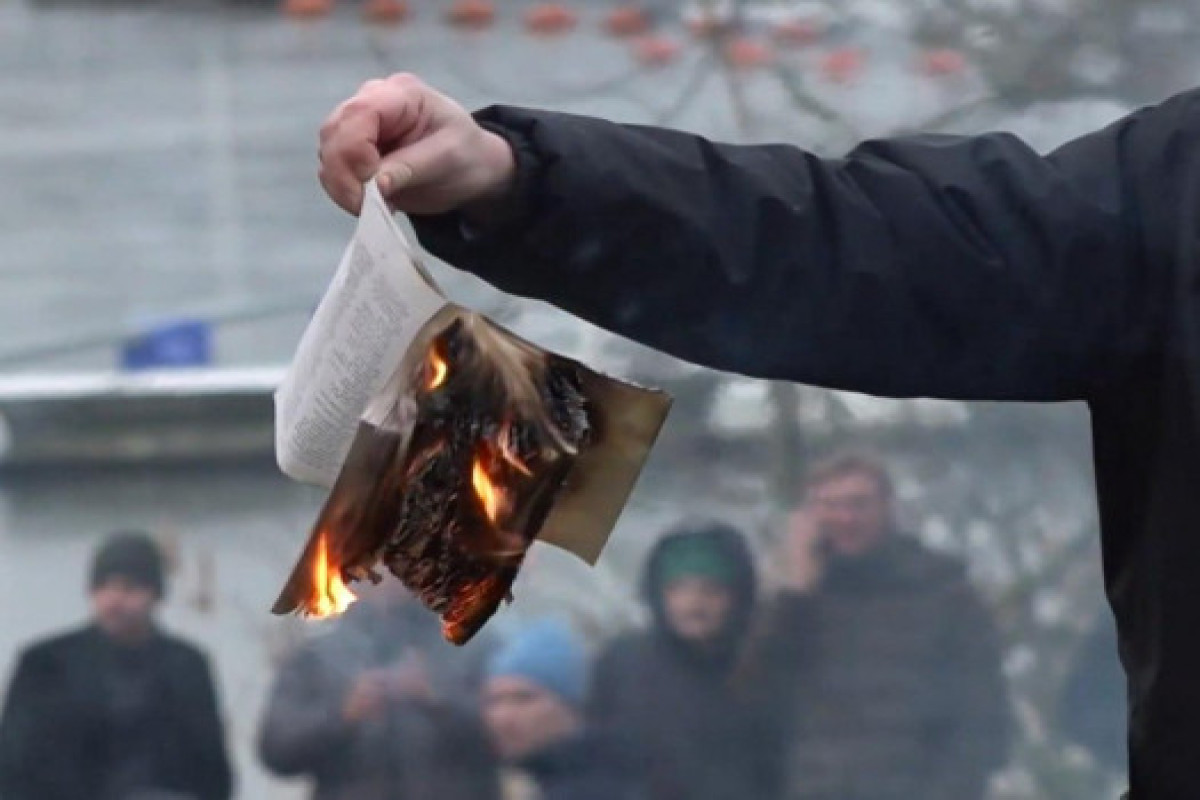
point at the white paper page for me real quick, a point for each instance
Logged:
(376, 304)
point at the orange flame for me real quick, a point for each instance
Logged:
(507, 452)
(439, 369)
(331, 595)
(488, 492)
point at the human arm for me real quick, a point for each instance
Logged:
(965, 267)
(305, 721)
(37, 749)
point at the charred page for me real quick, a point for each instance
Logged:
(478, 444)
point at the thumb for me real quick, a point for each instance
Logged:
(394, 176)
(422, 162)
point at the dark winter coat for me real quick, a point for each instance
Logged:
(586, 767)
(887, 681)
(678, 706)
(955, 267)
(418, 750)
(84, 716)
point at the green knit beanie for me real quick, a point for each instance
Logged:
(689, 557)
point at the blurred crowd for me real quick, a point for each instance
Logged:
(849, 662)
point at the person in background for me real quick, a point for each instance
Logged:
(884, 660)
(670, 690)
(381, 708)
(118, 710)
(533, 706)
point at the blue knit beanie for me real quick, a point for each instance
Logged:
(547, 653)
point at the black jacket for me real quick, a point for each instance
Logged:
(679, 707)
(66, 729)
(886, 681)
(955, 267)
(417, 751)
(585, 767)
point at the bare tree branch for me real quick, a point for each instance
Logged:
(805, 101)
(691, 90)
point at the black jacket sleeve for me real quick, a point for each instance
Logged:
(962, 267)
(302, 727)
(36, 751)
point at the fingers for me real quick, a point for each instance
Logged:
(372, 683)
(360, 131)
(364, 697)
(394, 174)
(426, 151)
(342, 175)
(423, 159)
(412, 684)
(802, 524)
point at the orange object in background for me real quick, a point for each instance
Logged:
(745, 52)
(550, 18)
(471, 13)
(307, 8)
(391, 12)
(843, 65)
(627, 21)
(705, 26)
(798, 32)
(944, 61)
(655, 51)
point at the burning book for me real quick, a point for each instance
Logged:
(450, 443)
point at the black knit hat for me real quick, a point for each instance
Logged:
(131, 555)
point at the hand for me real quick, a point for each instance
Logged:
(803, 564)
(409, 681)
(428, 154)
(367, 698)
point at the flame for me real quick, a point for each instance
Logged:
(507, 452)
(330, 596)
(488, 492)
(438, 368)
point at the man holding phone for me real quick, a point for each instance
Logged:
(883, 662)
